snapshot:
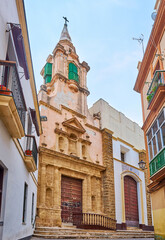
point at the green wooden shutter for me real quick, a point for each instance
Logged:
(48, 72)
(73, 72)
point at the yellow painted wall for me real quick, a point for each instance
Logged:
(158, 205)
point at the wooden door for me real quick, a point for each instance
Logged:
(131, 202)
(71, 198)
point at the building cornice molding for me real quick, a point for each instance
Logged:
(128, 144)
(92, 127)
(71, 158)
(118, 160)
(156, 34)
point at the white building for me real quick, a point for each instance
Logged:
(132, 201)
(19, 125)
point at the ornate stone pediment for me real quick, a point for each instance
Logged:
(74, 124)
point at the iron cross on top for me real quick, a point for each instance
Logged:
(66, 20)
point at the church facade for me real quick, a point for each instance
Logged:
(76, 165)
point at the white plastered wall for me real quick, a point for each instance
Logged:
(15, 172)
(132, 158)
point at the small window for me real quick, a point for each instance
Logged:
(155, 127)
(163, 133)
(161, 118)
(149, 135)
(159, 140)
(25, 203)
(32, 212)
(150, 151)
(154, 146)
(122, 157)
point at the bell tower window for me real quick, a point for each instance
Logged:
(73, 75)
(48, 72)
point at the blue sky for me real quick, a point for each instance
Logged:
(102, 32)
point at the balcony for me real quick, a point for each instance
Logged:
(156, 91)
(12, 103)
(30, 153)
(157, 166)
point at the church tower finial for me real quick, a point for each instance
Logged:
(66, 20)
(65, 34)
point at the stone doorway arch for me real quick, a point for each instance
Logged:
(135, 178)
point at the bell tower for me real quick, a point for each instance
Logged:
(71, 144)
(65, 76)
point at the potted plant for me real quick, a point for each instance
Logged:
(28, 152)
(4, 90)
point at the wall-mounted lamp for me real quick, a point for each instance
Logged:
(142, 165)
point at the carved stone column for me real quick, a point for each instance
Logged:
(42, 192)
(57, 197)
(89, 194)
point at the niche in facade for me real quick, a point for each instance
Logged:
(84, 151)
(93, 203)
(73, 144)
(49, 197)
(61, 144)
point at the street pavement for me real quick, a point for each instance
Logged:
(34, 238)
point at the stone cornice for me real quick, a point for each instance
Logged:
(64, 157)
(66, 80)
(49, 106)
(93, 127)
(78, 128)
(84, 90)
(85, 65)
(72, 111)
(85, 141)
(60, 131)
(59, 110)
(107, 130)
(59, 47)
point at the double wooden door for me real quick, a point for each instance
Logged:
(71, 198)
(131, 202)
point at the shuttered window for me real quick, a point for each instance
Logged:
(73, 75)
(32, 212)
(25, 203)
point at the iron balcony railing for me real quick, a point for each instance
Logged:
(10, 86)
(157, 163)
(73, 76)
(157, 81)
(31, 147)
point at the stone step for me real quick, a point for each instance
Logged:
(60, 233)
(91, 236)
(70, 232)
(58, 229)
